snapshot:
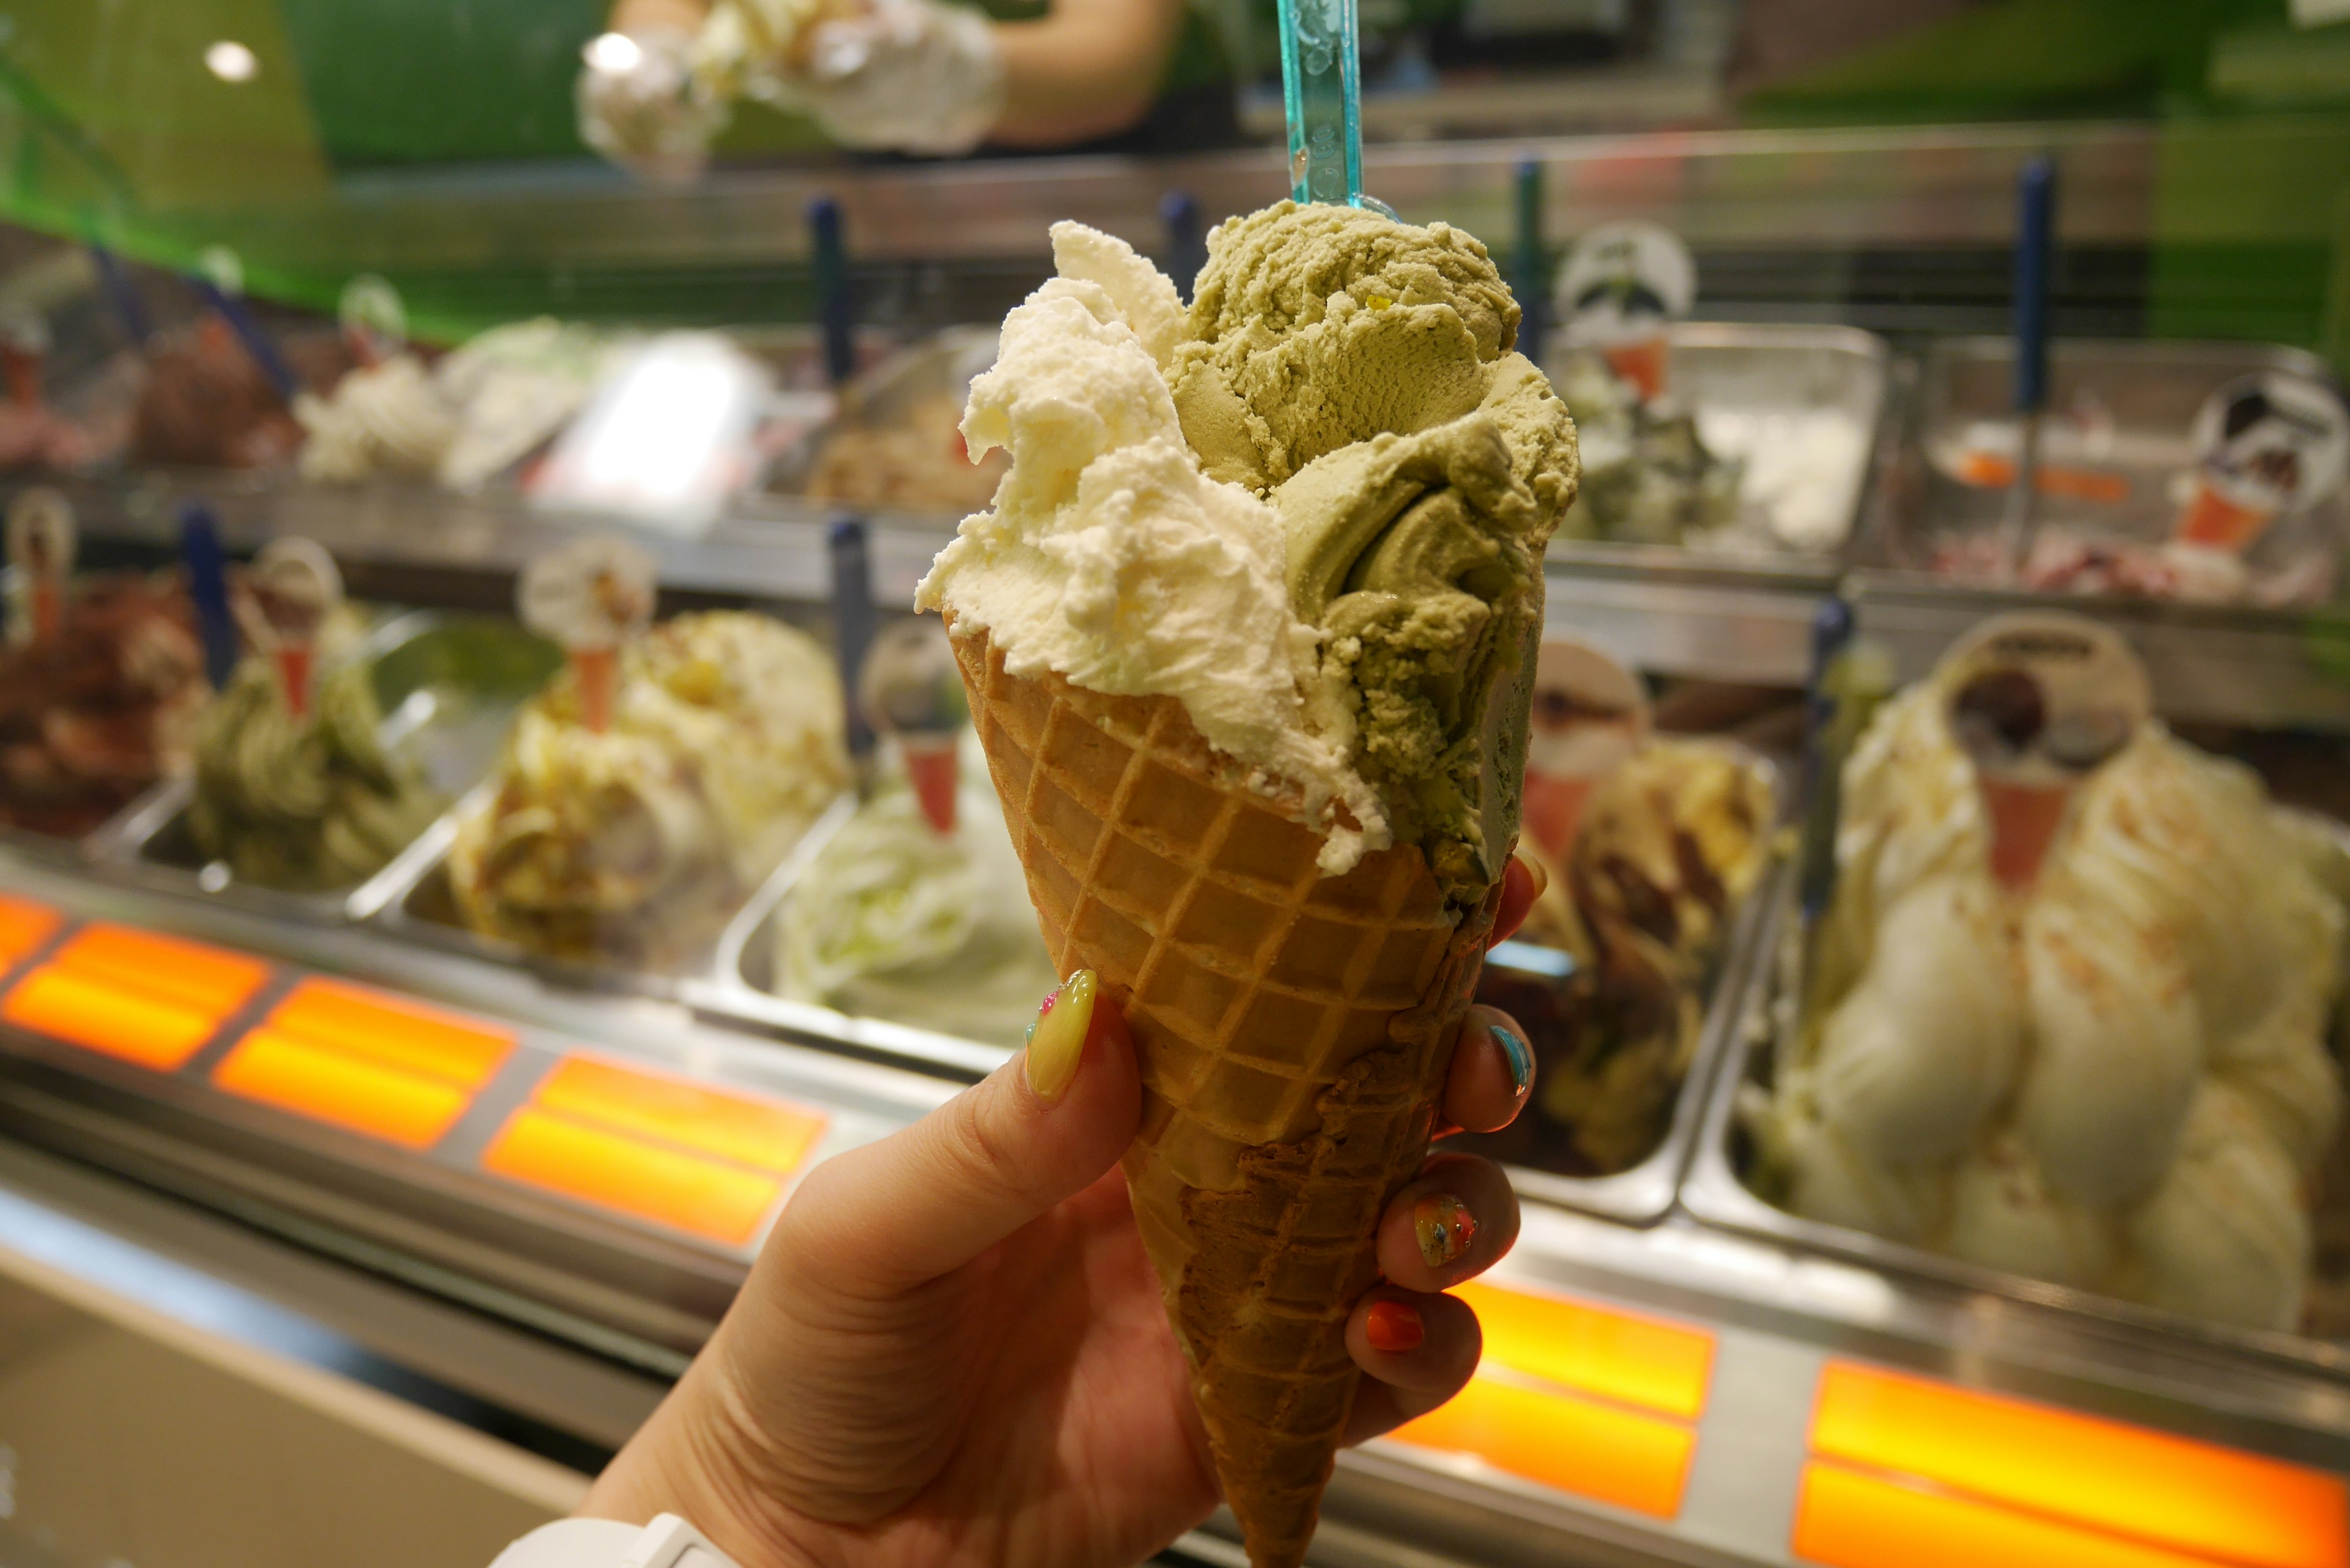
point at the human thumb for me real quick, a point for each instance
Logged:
(928, 1198)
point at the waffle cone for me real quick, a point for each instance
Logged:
(1295, 1031)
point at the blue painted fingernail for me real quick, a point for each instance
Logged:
(1522, 1061)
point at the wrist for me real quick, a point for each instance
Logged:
(697, 1458)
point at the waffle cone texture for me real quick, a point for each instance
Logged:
(1295, 1031)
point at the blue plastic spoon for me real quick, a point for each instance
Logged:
(1321, 89)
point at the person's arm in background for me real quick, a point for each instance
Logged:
(913, 75)
(1090, 67)
(644, 15)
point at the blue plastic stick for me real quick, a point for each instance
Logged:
(830, 254)
(2035, 244)
(2035, 235)
(1321, 89)
(200, 552)
(123, 295)
(852, 627)
(1832, 633)
(249, 332)
(1187, 239)
(1526, 262)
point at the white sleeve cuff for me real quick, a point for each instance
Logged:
(667, 1542)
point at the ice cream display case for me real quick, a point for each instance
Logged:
(589, 935)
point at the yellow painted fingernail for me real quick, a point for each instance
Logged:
(1056, 1040)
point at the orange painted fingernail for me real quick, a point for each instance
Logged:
(1393, 1328)
(1443, 1227)
(1056, 1040)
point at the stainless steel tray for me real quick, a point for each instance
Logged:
(1748, 372)
(2121, 407)
(412, 898)
(940, 366)
(150, 844)
(735, 990)
(1714, 1193)
(1644, 1193)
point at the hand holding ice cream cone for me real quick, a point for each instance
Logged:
(941, 1319)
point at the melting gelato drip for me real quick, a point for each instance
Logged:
(1312, 509)
(2115, 1078)
(635, 844)
(89, 722)
(307, 804)
(897, 920)
(1670, 847)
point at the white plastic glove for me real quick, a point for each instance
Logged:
(643, 105)
(912, 76)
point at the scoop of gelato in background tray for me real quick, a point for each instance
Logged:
(895, 919)
(1670, 846)
(2115, 1077)
(306, 804)
(635, 845)
(93, 719)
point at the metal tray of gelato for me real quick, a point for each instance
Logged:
(1729, 1164)
(613, 856)
(896, 445)
(1628, 986)
(2118, 456)
(302, 820)
(913, 1007)
(1757, 453)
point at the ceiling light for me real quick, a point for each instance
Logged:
(231, 61)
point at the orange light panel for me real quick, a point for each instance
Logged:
(762, 1133)
(341, 1088)
(704, 1197)
(144, 998)
(108, 1018)
(1562, 1440)
(1847, 1520)
(24, 926)
(201, 979)
(1619, 1355)
(394, 1032)
(2166, 1491)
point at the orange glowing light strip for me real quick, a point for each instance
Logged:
(24, 926)
(1619, 1355)
(1563, 1441)
(343, 1089)
(703, 1197)
(702, 1161)
(394, 1032)
(201, 979)
(1844, 1519)
(2167, 1492)
(129, 994)
(762, 1133)
(110, 1018)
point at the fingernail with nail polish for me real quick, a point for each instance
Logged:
(1056, 1040)
(1393, 1328)
(1444, 1227)
(1522, 1061)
